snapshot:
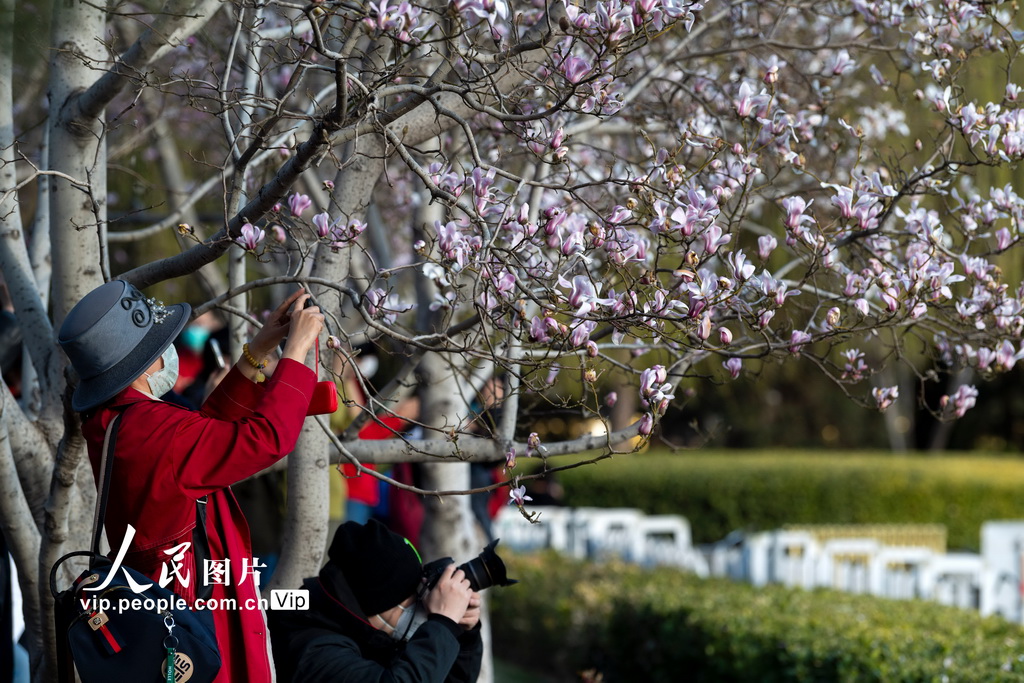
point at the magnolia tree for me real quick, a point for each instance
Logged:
(588, 202)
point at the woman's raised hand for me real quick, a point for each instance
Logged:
(304, 327)
(276, 328)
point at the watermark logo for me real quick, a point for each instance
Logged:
(214, 571)
(174, 568)
(296, 598)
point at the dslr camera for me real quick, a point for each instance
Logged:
(483, 571)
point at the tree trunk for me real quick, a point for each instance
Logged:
(305, 531)
(78, 151)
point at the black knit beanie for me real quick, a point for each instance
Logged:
(381, 567)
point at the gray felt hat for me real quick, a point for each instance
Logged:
(112, 335)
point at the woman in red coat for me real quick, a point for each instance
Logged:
(167, 457)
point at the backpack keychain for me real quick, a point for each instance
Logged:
(170, 644)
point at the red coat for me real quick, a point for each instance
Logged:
(167, 457)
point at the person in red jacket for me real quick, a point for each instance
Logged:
(168, 457)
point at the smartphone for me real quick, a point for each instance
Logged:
(218, 355)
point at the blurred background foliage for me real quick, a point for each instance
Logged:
(724, 491)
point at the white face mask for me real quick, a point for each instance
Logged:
(164, 379)
(412, 618)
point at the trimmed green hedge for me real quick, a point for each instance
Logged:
(631, 624)
(721, 491)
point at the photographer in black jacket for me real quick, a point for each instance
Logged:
(369, 619)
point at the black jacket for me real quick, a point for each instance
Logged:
(332, 642)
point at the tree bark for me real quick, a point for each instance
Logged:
(305, 531)
(308, 474)
(78, 151)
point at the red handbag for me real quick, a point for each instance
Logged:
(325, 394)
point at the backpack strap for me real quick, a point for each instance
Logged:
(201, 548)
(200, 538)
(106, 465)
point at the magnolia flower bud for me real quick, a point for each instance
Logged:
(646, 425)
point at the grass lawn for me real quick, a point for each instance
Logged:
(507, 672)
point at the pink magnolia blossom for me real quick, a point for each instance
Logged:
(747, 102)
(581, 333)
(654, 390)
(298, 203)
(765, 246)
(251, 237)
(855, 368)
(714, 237)
(885, 396)
(962, 400)
(1003, 239)
(488, 10)
(795, 212)
(541, 329)
(552, 374)
(574, 68)
(797, 339)
(517, 496)
(986, 357)
(704, 327)
(840, 64)
(322, 221)
(1006, 357)
(646, 425)
(734, 366)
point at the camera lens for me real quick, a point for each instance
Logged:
(486, 570)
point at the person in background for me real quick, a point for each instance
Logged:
(369, 621)
(168, 457)
(363, 491)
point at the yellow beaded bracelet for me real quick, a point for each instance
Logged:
(251, 360)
